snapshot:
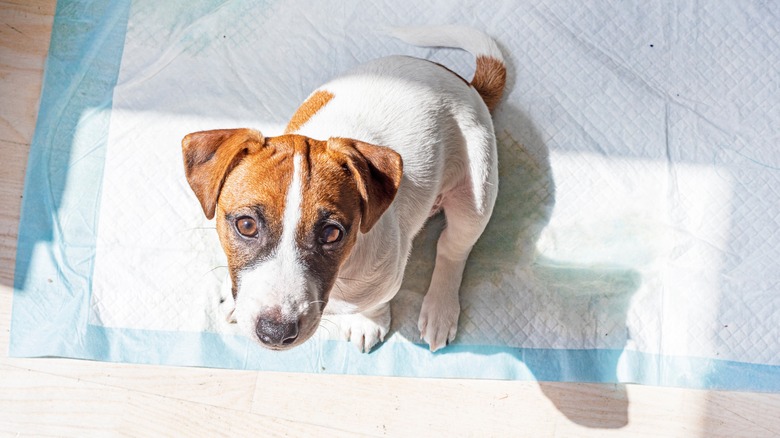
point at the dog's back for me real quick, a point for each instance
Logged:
(418, 108)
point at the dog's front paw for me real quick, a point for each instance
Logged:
(364, 330)
(227, 304)
(438, 321)
(227, 309)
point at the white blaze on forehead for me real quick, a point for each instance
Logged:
(292, 214)
(279, 281)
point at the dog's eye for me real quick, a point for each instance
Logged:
(330, 234)
(246, 226)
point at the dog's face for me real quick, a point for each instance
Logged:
(288, 211)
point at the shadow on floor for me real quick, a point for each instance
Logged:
(534, 302)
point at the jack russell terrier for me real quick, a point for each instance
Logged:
(321, 219)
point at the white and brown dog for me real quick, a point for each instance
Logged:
(321, 219)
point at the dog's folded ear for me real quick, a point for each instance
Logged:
(377, 171)
(209, 156)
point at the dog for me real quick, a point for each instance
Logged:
(321, 219)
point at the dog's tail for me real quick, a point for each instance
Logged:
(490, 75)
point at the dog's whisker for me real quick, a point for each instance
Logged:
(212, 270)
(337, 288)
(357, 280)
(322, 302)
(325, 320)
(199, 228)
(326, 325)
(326, 330)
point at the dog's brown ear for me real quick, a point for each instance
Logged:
(209, 156)
(377, 171)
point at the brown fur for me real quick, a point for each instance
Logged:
(307, 110)
(377, 171)
(260, 180)
(489, 80)
(209, 156)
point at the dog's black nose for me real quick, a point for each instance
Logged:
(275, 332)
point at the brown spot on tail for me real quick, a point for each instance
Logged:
(308, 109)
(489, 80)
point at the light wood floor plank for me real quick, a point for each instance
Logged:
(24, 41)
(25, 29)
(226, 388)
(45, 404)
(11, 181)
(409, 407)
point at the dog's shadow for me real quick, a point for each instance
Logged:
(514, 297)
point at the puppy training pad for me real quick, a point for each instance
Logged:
(635, 237)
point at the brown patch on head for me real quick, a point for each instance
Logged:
(308, 109)
(330, 206)
(346, 186)
(489, 80)
(255, 189)
(209, 156)
(377, 173)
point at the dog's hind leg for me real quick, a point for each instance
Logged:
(467, 214)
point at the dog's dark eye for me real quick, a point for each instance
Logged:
(246, 226)
(330, 234)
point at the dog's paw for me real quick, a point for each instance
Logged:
(363, 330)
(225, 306)
(227, 310)
(438, 321)
(225, 320)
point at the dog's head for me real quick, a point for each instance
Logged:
(288, 211)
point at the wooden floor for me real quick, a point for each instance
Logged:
(41, 397)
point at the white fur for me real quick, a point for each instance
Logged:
(280, 280)
(444, 133)
(458, 37)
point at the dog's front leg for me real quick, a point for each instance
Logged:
(365, 329)
(438, 322)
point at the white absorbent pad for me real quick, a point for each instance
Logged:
(635, 237)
